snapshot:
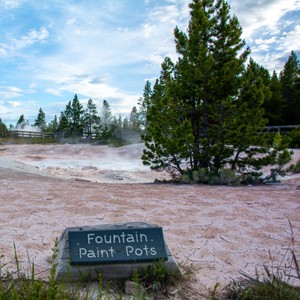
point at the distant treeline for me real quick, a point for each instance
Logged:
(281, 107)
(84, 123)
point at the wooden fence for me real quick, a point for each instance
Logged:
(281, 129)
(36, 134)
(26, 134)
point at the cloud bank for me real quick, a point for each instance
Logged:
(108, 49)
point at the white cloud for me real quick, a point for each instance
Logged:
(3, 50)
(106, 49)
(7, 92)
(53, 91)
(86, 46)
(32, 37)
(15, 104)
(291, 41)
(266, 41)
(255, 14)
(14, 46)
(10, 4)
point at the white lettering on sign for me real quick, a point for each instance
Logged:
(140, 251)
(117, 238)
(116, 246)
(96, 253)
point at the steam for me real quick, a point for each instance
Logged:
(97, 163)
(26, 127)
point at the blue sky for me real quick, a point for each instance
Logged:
(107, 49)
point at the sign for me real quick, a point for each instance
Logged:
(116, 246)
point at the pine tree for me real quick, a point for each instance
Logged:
(134, 119)
(92, 120)
(290, 87)
(207, 102)
(274, 106)
(78, 121)
(3, 127)
(53, 125)
(106, 121)
(115, 129)
(143, 104)
(63, 124)
(40, 121)
(125, 123)
(74, 114)
(168, 135)
(249, 121)
(22, 123)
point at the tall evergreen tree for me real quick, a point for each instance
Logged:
(91, 118)
(40, 121)
(120, 122)
(3, 127)
(53, 125)
(134, 118)
(143, 104)
(106, 121)
(78, 111)
(74, 115)
(63, 123)
(22, 123)
(290, 87)
(248, 121)
(197, 103)
(274, 106)
(125, 123)
(168, 135)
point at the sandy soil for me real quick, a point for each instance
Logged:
(219, 230)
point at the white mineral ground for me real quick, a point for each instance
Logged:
(219, 230)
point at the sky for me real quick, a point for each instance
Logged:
(107, 49)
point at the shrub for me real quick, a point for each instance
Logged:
(295, 168)
(294, 136)
(224, 177)
(156, 276)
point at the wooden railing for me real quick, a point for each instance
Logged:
(282, 129)
(26, 134)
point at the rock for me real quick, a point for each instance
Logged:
(87, 168)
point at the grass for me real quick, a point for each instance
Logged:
(154, 282)
(19, 140)
(17, 286)
(280, 282)
(149, 283)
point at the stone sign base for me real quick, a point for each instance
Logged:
(110, 271)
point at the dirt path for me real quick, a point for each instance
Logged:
(219, 230)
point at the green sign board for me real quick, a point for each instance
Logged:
(116, 246)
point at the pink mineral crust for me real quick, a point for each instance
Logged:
(219, 231)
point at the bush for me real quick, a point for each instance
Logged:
(294, 136)
(295, 168)
(157, 277)
(251, 178)
(224, 177)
